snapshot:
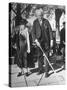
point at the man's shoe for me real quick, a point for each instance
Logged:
(46, 75)
(28, 73)
(40, 72)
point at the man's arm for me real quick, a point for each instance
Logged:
(50, 34)
(35, 41)
(33, 32)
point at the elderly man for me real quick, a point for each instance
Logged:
(42, 33)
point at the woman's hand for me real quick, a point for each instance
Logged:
(51, 43)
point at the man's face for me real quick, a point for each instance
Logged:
(39, 17)
(38, 14)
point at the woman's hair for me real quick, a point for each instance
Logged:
(23, 22)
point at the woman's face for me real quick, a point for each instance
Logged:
(22, 27)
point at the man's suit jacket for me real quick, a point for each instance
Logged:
(43, 33)
(62, 35)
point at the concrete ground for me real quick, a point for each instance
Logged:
(33, 79)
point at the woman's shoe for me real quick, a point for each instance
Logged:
(19, 74)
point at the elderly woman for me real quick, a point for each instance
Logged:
(42, 33)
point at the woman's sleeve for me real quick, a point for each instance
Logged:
(28, 42)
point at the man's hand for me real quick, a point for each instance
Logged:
(51, 43)
(37, 43)
(15, 46)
